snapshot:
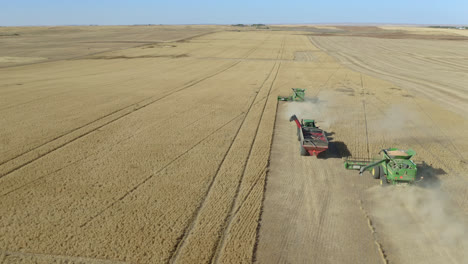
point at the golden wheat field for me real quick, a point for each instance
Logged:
(166, 144)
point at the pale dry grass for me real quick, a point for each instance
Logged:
(427, 30)
(21, 44)
(133, 149)
(160, 152)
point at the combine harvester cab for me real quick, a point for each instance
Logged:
(313, 139)
(298, 95)
(395, 166)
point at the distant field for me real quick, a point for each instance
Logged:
(166, 144)
(23, 45)
(428, 30)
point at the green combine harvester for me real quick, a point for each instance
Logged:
(298, 95)
(395, 166)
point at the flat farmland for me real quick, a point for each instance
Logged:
(380, 93)
(26, 45)
(168, 145)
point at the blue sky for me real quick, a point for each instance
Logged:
(125, 12)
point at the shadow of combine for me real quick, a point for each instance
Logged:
(430, 174)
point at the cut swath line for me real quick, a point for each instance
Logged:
(222, 240)
(363, 100)
(157, 172)
(131, 109)
(193, 221)
(379, 246)
(152, 175)
(230, 217)
(86, 157)
(134, 106)
(119, 49)
(257, 231)
(55, 258)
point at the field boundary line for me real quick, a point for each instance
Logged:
(363, 100)
(86, 157)
(372, 229)
(158, 171)
(168, 164)
(232, 212)
(193, 221)
(111, 50)
(257, 231)
(135, 107)
(363, 68)
(228, 221)
(127, 108)
(61, 258)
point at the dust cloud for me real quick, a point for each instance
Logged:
(421, 216)
(317, 108)
(398, 117)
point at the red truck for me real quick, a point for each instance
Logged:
(313, 139)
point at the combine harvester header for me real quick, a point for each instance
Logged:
(298, 95)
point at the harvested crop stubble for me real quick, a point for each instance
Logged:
(145, 156)
(127, 155)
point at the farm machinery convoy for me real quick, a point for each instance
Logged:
(313, 139)
(395, 166)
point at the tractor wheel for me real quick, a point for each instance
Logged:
(376, 172)
(383, 181)
(304, 151)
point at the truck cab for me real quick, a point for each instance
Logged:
(308, 123)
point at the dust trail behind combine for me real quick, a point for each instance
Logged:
(317, 108)
(419, 223)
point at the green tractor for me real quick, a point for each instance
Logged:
(298, 95)
(395, 166)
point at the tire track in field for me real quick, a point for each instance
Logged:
(120, 113)
(320, 64)
(186, 233)
(233, 211)
(136, 106)
(118, 49)
(93, 154)
(414, 139)
(257, 231)
(109, 71)
(160, 170)
(363, 100)
(174, 67)
(456, 171)
(178, 157)
(370, 224)
(361, 64)
(435, 86)
(435, 139)
(422, 131)
(28, 257)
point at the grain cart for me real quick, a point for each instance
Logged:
(313, 139)
(394, 167)
(298, 95)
